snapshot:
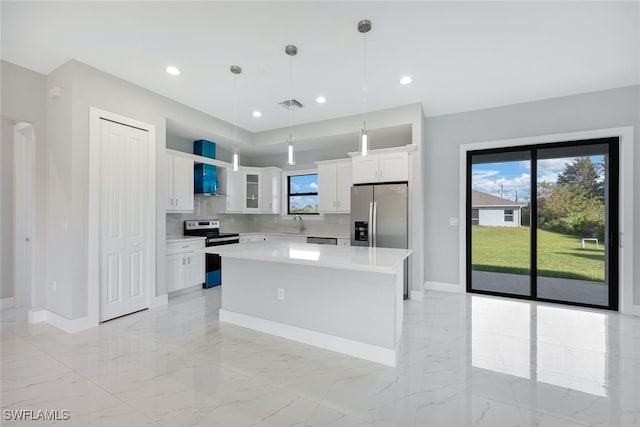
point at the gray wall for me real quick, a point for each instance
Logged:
(23, 99)
(6, 210)
(68, 131)
(444, 134)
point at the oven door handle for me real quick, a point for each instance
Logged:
(223, 241)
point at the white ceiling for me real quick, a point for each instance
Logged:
(462, 56)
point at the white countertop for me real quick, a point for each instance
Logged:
(176, 239)
(378, 260)
(303, 234)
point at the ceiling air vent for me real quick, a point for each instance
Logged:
(291, 102)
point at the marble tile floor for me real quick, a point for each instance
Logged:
(466, 361)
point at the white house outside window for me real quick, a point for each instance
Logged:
(508, 215)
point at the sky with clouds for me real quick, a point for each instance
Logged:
(515, 177)
(303, 184)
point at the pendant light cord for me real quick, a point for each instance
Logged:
(364, 82)
(235, 115)
(291, 98)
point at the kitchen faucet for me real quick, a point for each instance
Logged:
(301, 223)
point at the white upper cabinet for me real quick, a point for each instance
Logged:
(252, 189)
(365, 169)
(343, 189)
(230, 183)
(271, 189)
(334, 186)
(179, 184)
(393, 167)
(381, 167)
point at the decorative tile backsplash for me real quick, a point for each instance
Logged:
(206, 207)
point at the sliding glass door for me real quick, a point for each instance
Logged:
(500, 244)
(542, 222)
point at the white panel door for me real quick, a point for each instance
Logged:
(365, 169)
(124, 250)
(344, 172)
(183, 184)
(327, 184)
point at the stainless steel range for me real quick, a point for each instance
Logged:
(211, 230)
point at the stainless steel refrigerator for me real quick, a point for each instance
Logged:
(379, 218)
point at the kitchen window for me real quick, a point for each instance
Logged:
(302, 194)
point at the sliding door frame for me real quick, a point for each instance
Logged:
(612, 264)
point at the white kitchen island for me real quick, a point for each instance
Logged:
(343, 298)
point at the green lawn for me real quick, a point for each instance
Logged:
(506, 250)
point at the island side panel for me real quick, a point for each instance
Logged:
(355, 305)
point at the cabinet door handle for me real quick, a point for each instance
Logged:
(338, 203)
(188, 260)
(381, 173)
(182, 261)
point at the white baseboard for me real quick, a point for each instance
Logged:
(37, 316)
(7, 302)
(445, 287)
(158, 301)
(632, 310)
(373, 353)
(68, 325)
(416, 295)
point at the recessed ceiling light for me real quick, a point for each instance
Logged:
(257, 114)
(406, 80)
(174, 71)
(321, 100)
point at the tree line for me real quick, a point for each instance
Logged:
(574, 204)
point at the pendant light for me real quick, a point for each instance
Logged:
(236, 70)
(364, 27)
(292, 51)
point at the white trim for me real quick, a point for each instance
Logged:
(444, 287)
(70, 326)
(416, 295)
(7, 302)
(37, 316)
(373, 353)
(158, 301)
(404, 148)
(626, 222)
(93, 279)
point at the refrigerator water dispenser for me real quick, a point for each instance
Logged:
(362, 231)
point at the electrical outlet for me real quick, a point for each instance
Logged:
(54, 286)
(280, 294)
(453, 220)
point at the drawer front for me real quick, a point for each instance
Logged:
(182, 247)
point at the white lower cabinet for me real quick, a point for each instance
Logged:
(185, 265)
